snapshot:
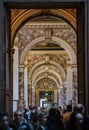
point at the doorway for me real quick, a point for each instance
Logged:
(47, 54)
(59, 76)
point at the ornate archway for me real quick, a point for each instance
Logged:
(26, 39)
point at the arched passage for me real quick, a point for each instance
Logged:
(51, 63)
(63, 67)
(25, 14)
(55, 40)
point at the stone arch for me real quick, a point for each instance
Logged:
(50, 77)
(55, 40)
(28, 47)
(51, 63)
(66, 46)
(25, 14)
(53, 72)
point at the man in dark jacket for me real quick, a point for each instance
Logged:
(4, 121)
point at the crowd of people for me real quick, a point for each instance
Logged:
(42, 119)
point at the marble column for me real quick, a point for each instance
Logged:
(62, 99)
(64, 94)
(26, 87)
(75, 86)
(15, 79)
(69, 85)
(33, 95)
(21, 87)
(59, 97)
(29, 92)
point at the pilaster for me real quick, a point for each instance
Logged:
(15, 79)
